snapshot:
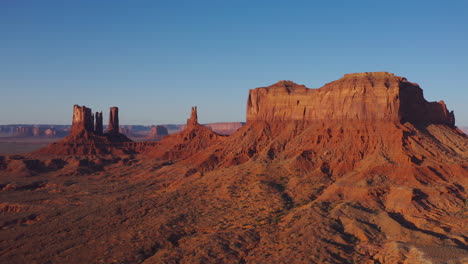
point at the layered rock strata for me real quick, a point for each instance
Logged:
(369, 96)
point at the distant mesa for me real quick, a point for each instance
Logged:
(369, 96)
(225, 128)
(157, 133)
(24, 131)
(43, 131)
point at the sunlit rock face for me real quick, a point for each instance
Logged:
(369, 96)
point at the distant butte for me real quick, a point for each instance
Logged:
(86, 135)
(157, 133)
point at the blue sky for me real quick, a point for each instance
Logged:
(155, 59)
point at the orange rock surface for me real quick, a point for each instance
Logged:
(370, 96)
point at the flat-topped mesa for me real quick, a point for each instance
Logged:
(157, 133)
(98, 127)
(113, 127)
(369, 96)
(83, 120)
(193, 120)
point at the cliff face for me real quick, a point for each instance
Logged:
(374, 96)
(83, 120)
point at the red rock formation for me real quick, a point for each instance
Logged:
(83, 121)
(113, 130)
(362, 187)
(113, 120)
(157, 133)
(191, 140)
(98, 128)
(373, 96)
(193, 120)
(85, 140)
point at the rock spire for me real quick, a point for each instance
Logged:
(98, 127)
(113, 120)
(193, 120)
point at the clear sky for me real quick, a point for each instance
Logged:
(155, 59)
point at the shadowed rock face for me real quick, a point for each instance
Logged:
(113, 120)
(98, 128)
(373, 96)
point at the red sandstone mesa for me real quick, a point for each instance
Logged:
(370, 96)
